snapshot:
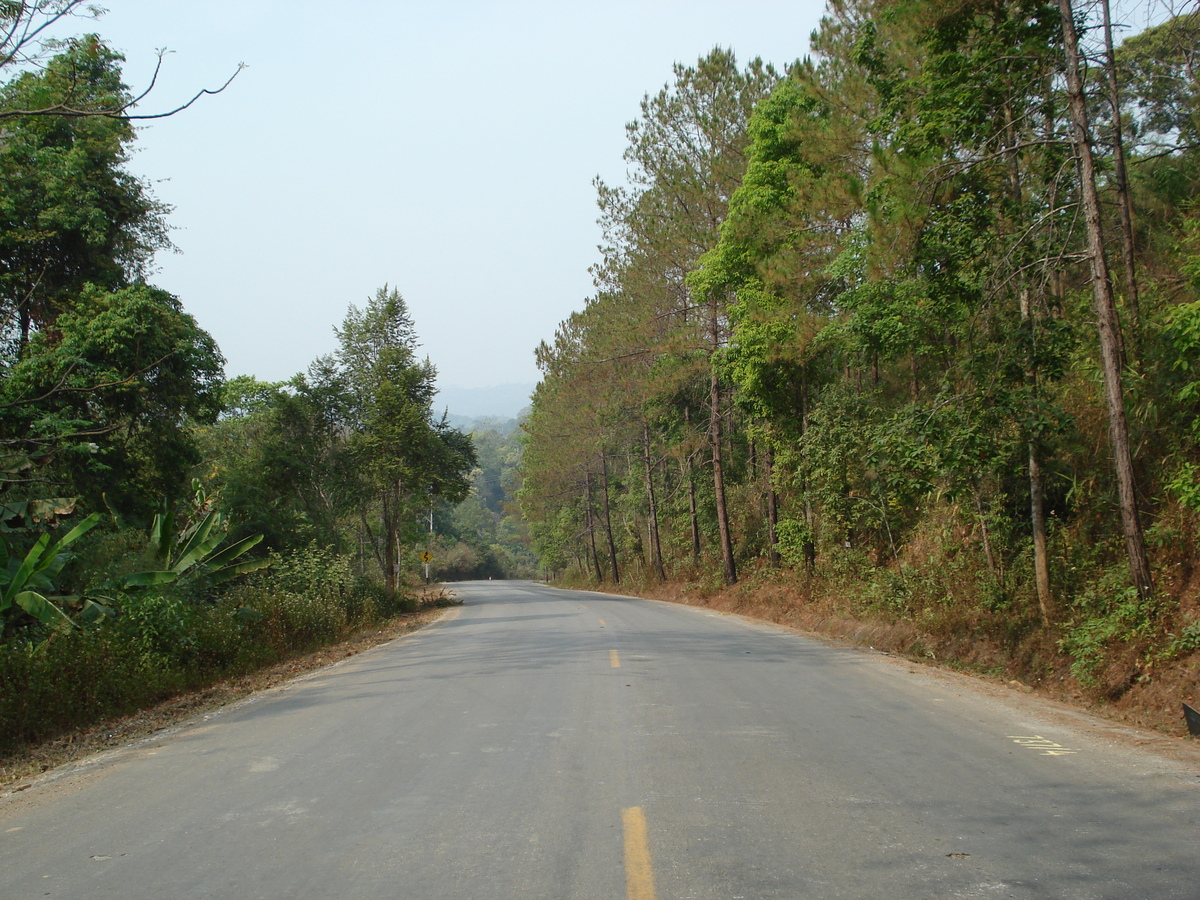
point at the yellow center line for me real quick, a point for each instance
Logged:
(614, 659)
(639, 874)
(601, 621)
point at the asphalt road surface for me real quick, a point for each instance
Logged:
(540, 743)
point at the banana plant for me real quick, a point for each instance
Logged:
(25, 582)
(194, 551)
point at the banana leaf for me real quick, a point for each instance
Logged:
(233, 551)
(21, 577)
(52, 555)
(250, 565)
(200, 544)
(42, 609)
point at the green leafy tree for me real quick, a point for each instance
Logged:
(1159, 72)
(303, 477)
(406, 458)
(70, 212)
(105, 402)
(102, 374)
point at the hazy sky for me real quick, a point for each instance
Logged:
(446, 148)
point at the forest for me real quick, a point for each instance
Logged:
(906, 333)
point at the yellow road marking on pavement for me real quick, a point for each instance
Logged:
(1046, 746)
(601, 621)
(614, 659)
(639, 874)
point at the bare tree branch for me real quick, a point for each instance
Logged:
(22, 43)
(123, 111)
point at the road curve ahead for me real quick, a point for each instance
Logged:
(540, 743)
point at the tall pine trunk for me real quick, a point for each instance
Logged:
(655, 544)
(1037, 492)
(1106, 313)
(591, 526)
(714, 436)
(694, 517)
(1121, 180)
(612, 547)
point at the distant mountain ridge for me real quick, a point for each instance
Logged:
(483, 424)
(501, 401)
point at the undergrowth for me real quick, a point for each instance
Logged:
(940, 598)
(159, 643)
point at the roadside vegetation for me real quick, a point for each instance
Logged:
(904, 335)
(162, 528)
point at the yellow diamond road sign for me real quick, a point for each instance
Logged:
(426, 556)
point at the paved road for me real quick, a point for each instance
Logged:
(548, 744)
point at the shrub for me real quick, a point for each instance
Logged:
(1107, 614)
(165, 639)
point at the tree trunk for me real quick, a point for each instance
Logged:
(772, 507)
(389, 549)
(714, 435)
(375, 551)
(1037, 511)
(987, 542)
(655, 544)
(1037, 493)
(691, 484)
(591, 527)
(1041, 557)
(362, 553)
(1106, 314)
(612, 547)
(25, 324)
(810, 516)
(1121, 179)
